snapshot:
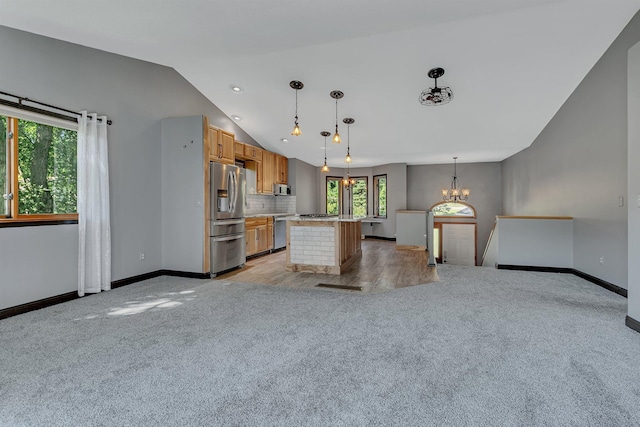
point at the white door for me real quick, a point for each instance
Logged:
(459, 244)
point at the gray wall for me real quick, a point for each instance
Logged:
(136, 95)
(577, 166)
(425, 182)
(303, 182)
(633, 209)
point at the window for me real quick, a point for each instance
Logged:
(359, 205)
(453, 209)
(38, 173)
(334, 195)
(380, 196)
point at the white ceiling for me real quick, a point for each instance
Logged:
(510, 63)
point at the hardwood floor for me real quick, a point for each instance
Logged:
(382, 268)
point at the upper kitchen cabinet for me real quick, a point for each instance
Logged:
(252, 153)
(268, 172)
(222, 146)
(281, 172)
(238, 149)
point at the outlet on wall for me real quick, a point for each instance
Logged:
(141, 256)
(601, 260)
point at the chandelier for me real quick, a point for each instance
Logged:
(348, 182)
(296, 85)
(436, 95)
(455, 193)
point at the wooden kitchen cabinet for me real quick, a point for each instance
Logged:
(259, 234)
(238, 149)
(270, 233)
(282, 166)
(250, 235)
(252, 153)
(268, 172)
(262, 239)
(222, 146)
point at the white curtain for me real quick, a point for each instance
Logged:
(94, 249)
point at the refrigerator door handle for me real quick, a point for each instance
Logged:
(227, 238)
(235, 189)
(230, 190)
(229, 222)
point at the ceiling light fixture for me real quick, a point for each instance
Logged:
(236, 89)
(455, 194)
(236, 118)
(348, 121)
(325, 168)
(348, 182)
(436, 95)
(284, 140)
(296, 85)
(336, 94)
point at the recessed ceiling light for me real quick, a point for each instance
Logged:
(284, 140)
(237, 89)
(236, 118)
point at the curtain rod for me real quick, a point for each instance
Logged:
(71, 116)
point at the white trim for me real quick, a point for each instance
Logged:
(5, 110)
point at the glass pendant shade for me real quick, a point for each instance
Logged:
(296, 130)
(336, 137)
(325, 168)
(348, 159)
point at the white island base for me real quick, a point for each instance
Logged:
(327, 245)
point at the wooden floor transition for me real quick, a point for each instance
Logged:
(382, 268)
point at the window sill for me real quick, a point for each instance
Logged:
(35, 221)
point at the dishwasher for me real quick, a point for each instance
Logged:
(279, 233)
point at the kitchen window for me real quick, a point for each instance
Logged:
(380, 196)
(334, 195)
(359, 204)
(38, 169)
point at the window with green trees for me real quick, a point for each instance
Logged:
(42, 175)
(334, 193)
(359, 206)
(380, 195)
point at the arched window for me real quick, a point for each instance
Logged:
(453, 209)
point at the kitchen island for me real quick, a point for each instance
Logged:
(323, 244)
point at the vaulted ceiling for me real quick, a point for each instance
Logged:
(510, 63)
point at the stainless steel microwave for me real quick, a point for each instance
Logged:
(281, 190)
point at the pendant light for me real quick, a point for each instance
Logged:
(325, 168)
(348, 121)
(296, 85)
(436, 95)
(336, 94)
(455, 193)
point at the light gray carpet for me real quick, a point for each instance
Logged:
(480, 347)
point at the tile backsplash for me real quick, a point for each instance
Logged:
(257, 204)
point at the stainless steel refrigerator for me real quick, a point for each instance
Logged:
(228, 188)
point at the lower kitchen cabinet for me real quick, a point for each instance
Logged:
(259, 234)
